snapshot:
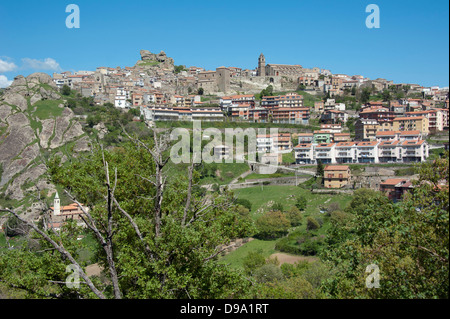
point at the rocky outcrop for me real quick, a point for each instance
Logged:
(25, 139)
(160, 60)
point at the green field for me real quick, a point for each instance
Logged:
(261, 195)
(46, 109)
(286, 195)
(236, 257)
(213, 173)
(259, 176)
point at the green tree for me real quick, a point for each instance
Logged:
(386, 95)
(158, 237)
(312, 223)
(268, 273)
(179, 68)
(365, 95)
(319, 169)
(200, 91)
(408, 241)
(272, 224)
(268, 91)
(301, 203)
(253, 260)
(65, 90)
(294, 215)
(277, 206)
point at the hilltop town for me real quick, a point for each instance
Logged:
(352, 119)
(83, 157)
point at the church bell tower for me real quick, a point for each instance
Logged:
(261, 65)
(56, 205)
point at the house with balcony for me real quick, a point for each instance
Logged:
(384, 136)
(325, 153)
(290, 115)
(345, 152)
(336, 176)
(341, 137)
(332, 128)
(304, 153)
(320, 137)
(258, 115)
(366, 129)
(272, 143)
(419, 123)
(305, 138)
(390, 151)
(414, 151)
(367, 152)
(410, 135)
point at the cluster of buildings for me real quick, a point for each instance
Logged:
(389, 147)
(403, 115)
(287, 108)
(158, 89)
(59, 215)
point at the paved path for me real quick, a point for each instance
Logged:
(243, 175)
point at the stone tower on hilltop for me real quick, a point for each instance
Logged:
(261, 65)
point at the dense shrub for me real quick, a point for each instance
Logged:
(312, 223)
(272, 224)
(294, 215)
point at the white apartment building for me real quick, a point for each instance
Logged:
(395, 151)
(390, 151)
(345, 152)
(414, 151)
(325, 153)
(367, 152)
(304, 153)
(121, 98)
(264, 144)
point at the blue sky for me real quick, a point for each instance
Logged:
(411, 45)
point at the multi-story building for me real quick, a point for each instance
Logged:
(346, 152)
(332, 128)
(419, 123)
(166, 113)
(383, 136)
(395, 151)
(325, 153)
(380, 114)
(390, 151)
(319, 107)
(367, 152)
(290, 115)
(341, 137)
(293, 100)
(437, 118)
(365, 129)
(320, 137)
(304, 153)
(272, 143)
(334, 116)
(258, 115)
(336, 176)
(414, 151)
(305, 138)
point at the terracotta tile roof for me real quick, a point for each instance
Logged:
(373, 143)
(380, 133)
(393, 181)
(336, 168)
(417, 132)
